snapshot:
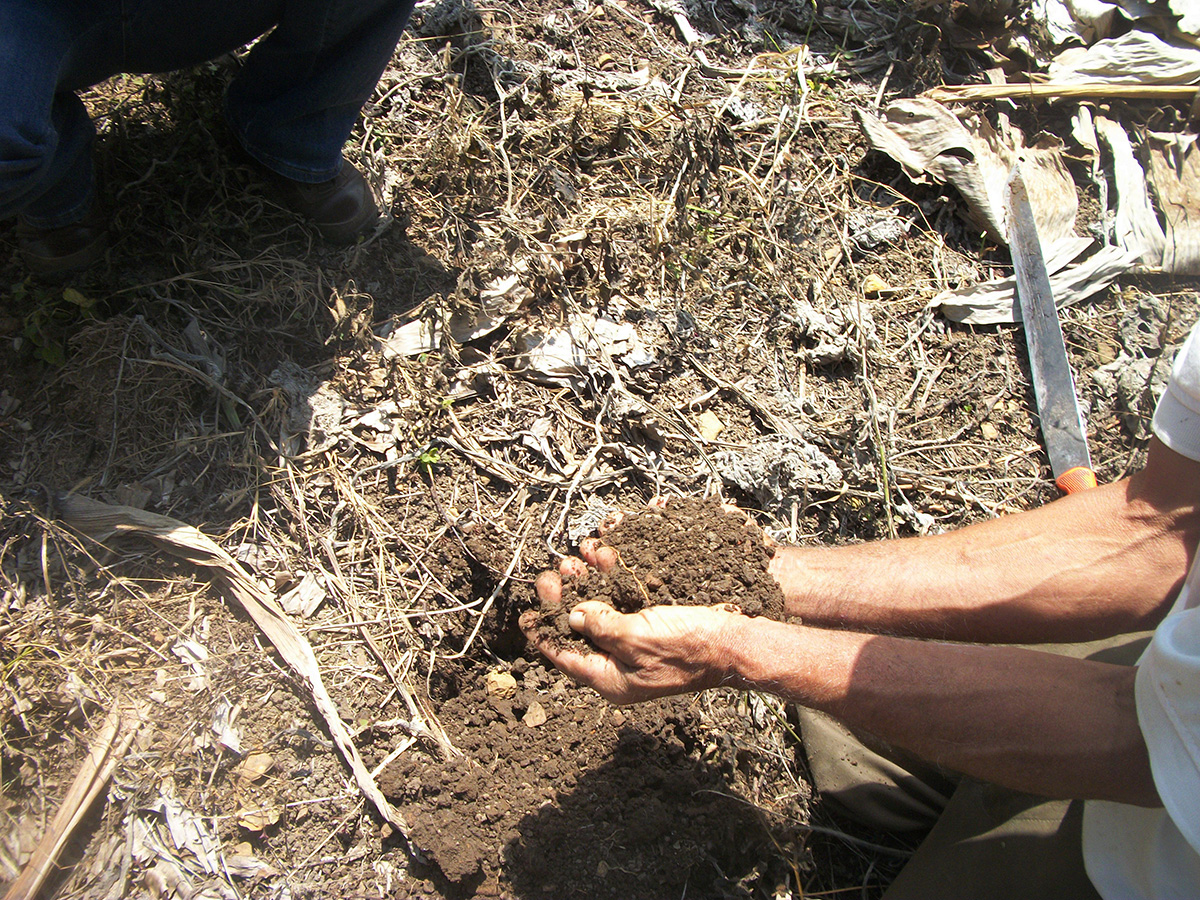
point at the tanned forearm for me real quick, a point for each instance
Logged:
(1031, 721)
(1103, 562)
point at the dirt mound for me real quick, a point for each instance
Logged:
(558, 796)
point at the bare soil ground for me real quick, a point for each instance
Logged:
(702, 222)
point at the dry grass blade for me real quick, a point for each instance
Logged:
(107, 747)
(102, 521)
(965, 93)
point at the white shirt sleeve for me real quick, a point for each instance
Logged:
(1131, 852)
(1167, 693)
(1177, 416)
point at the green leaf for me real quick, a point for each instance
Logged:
(51, 353)
(73, 296)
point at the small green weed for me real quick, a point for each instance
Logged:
(52, 316)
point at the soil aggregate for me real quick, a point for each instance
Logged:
(686, 551)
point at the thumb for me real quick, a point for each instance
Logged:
(597, 621)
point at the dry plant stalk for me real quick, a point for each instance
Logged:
(964, 93)
(101, 521)
(108, 747)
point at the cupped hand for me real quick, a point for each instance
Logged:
(656, 652)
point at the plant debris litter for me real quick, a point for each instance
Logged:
(641, 251)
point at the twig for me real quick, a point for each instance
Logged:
(492, 597)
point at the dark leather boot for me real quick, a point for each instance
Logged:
(341, 209)
(55, 253)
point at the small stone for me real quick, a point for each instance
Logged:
(501, 685)
(990, 432)
(1106, 351)
(709, 425)
(874, 286)
(535, 715)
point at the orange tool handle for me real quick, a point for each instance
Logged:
(1075, 480)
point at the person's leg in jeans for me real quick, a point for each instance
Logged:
(294, 104)
(986, 842)
(45, 132)
(292, 108)
(48, 52)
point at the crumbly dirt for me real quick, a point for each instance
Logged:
(688, 551)
(557, 796)
(545, 165)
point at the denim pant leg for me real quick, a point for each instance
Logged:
(45, 131)
(293, 105)
(49, 50)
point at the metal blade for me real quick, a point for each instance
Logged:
(1053, 385)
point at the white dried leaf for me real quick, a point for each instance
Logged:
(931, 142)
(412, 339)
(223, 716)
(304, 599)
(194, 655)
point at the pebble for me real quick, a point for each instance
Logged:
(501, 685)
(535, 715)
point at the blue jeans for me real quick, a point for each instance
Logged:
(291, 107)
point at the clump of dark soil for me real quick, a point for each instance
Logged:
(556, 796)
(688, 552)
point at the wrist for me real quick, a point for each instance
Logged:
(739, 649)
(799, 572)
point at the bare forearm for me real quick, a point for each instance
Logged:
(1103, 562)
(1031, 721)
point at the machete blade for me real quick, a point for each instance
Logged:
(1053, 384)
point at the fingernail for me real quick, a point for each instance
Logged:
(575, 619)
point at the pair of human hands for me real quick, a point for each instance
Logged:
(655, 652)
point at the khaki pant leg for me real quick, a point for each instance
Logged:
(880, 787)
(988, 843)
(995, 844)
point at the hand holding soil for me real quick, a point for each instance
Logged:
(656, 598)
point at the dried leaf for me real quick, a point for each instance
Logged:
(874, 286)
(248, 866)
(304, 599)
(930, 142)
(257, 818)
(254, 766)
